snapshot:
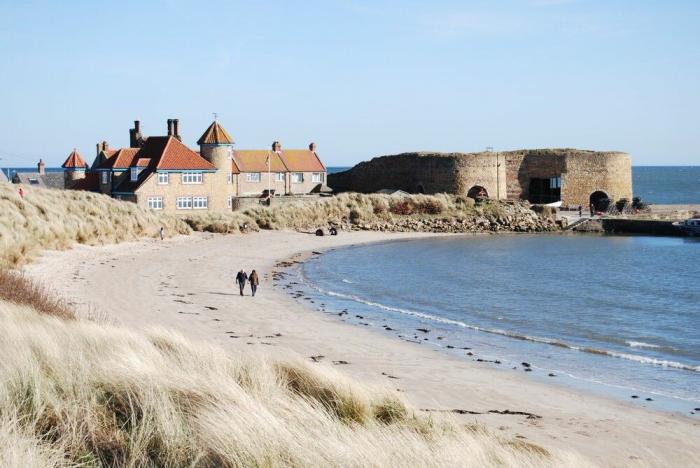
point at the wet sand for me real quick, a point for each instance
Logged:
(187, 284)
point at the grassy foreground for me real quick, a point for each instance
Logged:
(76, 392)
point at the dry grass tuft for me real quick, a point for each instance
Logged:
(57, 219)
(80, 393)
(16, 288)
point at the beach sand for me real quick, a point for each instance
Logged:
(186, 284)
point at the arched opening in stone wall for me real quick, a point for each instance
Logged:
(599, 200)
(544, 190)
(420, 189)
(477, 192)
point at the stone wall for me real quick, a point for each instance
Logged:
(502, 174)
(424, 173)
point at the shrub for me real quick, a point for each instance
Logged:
(17, 289)
(403, 207)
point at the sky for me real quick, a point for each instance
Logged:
(359, 78)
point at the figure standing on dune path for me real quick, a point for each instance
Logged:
(241, 278)
(254, 281)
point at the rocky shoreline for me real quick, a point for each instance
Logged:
(509, 218)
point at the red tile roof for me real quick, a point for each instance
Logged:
(302, 161)
(256, 161)
(215, 135)
(171, 154)
(234, 167)
(120, 159)
(74, 161)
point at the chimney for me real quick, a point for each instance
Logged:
(41, 167)
(312, 147)
(135, 138)
(170, 127)
(276, 146)
(176, 129)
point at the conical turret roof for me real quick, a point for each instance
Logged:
(74, 161)
(215, 135)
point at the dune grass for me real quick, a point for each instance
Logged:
(57, 219)
(358, 209)
(75, 392)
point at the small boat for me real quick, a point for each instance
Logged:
(690, 226)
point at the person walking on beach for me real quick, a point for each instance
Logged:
(592, 210)
(162, 233)
(580, 211)
(21, 193)
(241, 278)
(254, 281)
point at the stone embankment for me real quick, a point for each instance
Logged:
(509, 218)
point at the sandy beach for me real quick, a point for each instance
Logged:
(186, 283)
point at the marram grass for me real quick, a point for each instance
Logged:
(79, 393)
(57, 219)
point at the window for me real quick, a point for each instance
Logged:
(200, 203)
(155, 203)
(135, 173)
(555, 182)
(105, 176)
(252, 177)
(191, 177)
(183, 203)
(297, 177)
(316, 177)
(229, 201)
(163, 178)
(229, 179)
(279, 176)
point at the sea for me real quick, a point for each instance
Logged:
(614, 315)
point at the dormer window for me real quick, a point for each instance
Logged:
(105, 177)
(135, 171)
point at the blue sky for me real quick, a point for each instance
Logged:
(360, 78)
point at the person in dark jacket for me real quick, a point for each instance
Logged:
(254, 281)
(241, 278)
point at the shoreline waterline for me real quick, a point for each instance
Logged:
(355, 309)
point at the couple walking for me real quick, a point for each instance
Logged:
(242, 277)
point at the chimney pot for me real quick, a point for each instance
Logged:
(176, 129)
(41, 167)
(137, 126)
(170, 127)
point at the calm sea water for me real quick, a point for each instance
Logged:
(617, 315)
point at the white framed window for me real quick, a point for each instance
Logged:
(316, 177)
(183, 203)
(135, 173)
(155, 203)
(297, 177)
(252, 177)
(104, 176)
(191, 177)
(200, 203)
(163, 178)
(279, 176)
(229, 179)
(229, 201)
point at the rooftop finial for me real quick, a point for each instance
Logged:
(215, 116)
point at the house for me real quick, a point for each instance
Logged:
(40, 178)
(162, 173)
